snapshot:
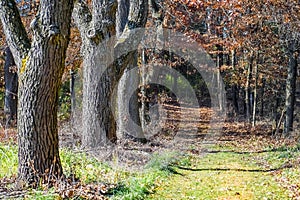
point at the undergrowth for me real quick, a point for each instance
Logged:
(225, 172)
(80, 167)
(8, 160)
(159, 168)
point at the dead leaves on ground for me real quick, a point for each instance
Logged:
(62, 189)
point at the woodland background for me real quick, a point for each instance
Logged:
(255, 46)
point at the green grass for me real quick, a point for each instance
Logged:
(8, 160)
(231, 175)
(82, 166)
(42, 195)
(130, 185)
(222, 174)
(140, 185)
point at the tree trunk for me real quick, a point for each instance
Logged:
(11, 88)
(40, 72)
(262, 93)
(220, 62)
(144, 103)
(235, 99)
(122, 16)
(255, 94)
(72, 93)
(248, 90)
(221, 92)
(276, 111)
(101, 71)
(146, 72)
(235, 90)
(128, 105)
(290, 92)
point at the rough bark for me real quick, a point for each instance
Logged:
(144, 71)
(137, 17)
(95, 27)
(128, 106)
(221, 95)
(122, 16)
(129, 123)
(101, 71)
(40, 71)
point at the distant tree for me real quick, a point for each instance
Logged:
(40, 65)
(292, 49)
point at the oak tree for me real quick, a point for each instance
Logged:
(104, 63)
(40, 63)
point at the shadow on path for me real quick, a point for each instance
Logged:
(238, 170)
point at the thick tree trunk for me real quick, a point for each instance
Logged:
(95, 28)
(101, 71)
(40, 80)
(128, 105)
(276, 112)
(221, 94)
(99, 125)
(220, 62)
(122, 16)
(145, 72)
(40, 72)
(290, 92)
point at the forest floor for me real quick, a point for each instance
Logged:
(191, 158)
(252, 167)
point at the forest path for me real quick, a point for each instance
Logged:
(239, 164)
(223, 174)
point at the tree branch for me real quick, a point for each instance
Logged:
(122, 16)
(137, 19)
(82, 16)
(129, 40)
(14, 30)
(137, 14)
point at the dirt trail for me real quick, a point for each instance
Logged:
(225, 165)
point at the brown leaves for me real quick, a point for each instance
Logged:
(89, 191)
